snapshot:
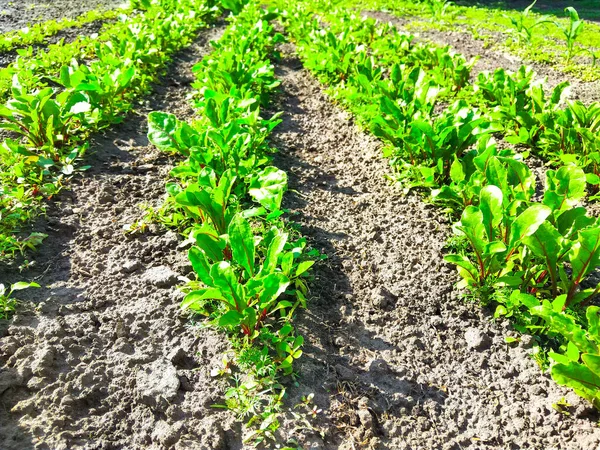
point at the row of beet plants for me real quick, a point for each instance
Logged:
(515, 104)
(31, 64)
(531, 255)
(50, 114)
(251, 265)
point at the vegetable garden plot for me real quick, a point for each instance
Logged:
(388, 352)
(406, 363)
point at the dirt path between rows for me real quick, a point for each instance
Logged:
(397, 360)
(491, 59)
(105, 361)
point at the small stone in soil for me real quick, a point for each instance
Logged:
(131, 266)
(161, 276)
(476, 339)
(157, 383)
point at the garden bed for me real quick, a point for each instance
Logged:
(101, 356)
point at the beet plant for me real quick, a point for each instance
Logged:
(7, 301)
(251, 267)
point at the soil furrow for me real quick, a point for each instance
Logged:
(103, 359)
(396, 359)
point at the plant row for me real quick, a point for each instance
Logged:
(531, 254)
(513, 105)
(48, 126)
(251, 265)
(531, 36)
(39, 32)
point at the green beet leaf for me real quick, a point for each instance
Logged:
(200, 265)
(230, 319)
(226, 279)
(274, 285)
(274, 251)
(161, 130)
(527, 223)
(490, 204)
(593, 363)
(564, 188)
(584, 257)
(546, 243)
(195, 300)
(268, 186)
(241, 239)
(580, 378)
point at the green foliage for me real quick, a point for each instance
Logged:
(521, 27)
(571, 31)
(235, 6)
(7, 302)
(251, 268)
(53, 123)
(578, 363)
(521, 243)
(438, 8)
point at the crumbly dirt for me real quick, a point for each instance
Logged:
(15, 14)
(99, 357)
(397, 360)
(490, 59)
